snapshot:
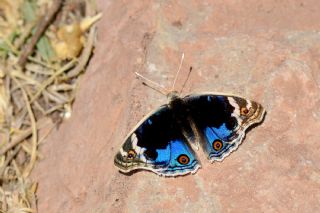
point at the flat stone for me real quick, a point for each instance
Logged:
(266, 51)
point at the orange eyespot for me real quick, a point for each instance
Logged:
(183, 159)
(244, 111)
(131, 154)
(217, 145)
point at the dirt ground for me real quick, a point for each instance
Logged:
(268, 51)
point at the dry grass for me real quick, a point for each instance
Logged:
(44, 47)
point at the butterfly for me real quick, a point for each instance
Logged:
(164, 140)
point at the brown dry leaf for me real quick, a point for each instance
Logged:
(70, 39)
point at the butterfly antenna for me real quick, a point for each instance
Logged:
(153, 85)
(185, 82)
(176, 77)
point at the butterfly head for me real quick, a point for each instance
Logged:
(173, 95)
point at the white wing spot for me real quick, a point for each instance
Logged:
(134, 140)
(236, 111)
(135, 147)
(249, 105)
(123, 153)
(234, 104)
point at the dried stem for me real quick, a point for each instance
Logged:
(26, 133)
(51, 79)
(33, 130)
(8, 159)
(41, 28)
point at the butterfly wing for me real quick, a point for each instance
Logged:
(157, 144)
(222, 121)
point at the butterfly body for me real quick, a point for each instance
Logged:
(163, 141)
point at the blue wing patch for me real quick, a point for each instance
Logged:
(222, 132)
(216, 148)
(182, 159)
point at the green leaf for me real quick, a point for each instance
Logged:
(4, 49)
(45, 49)
(13, 36)
(29, 10)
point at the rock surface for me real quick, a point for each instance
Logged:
(268, 51)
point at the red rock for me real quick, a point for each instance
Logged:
(266, 51)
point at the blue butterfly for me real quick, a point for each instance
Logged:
(163, 141)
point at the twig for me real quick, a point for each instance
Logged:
(41, 28)
(9, 158)
(34, 131)
(18, 139)
(33, 198)
(52, 78)
(84, 58)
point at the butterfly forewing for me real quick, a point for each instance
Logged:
(221, 121)
(157, 144)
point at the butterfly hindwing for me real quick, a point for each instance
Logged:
(157, 144)
(221, 121)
